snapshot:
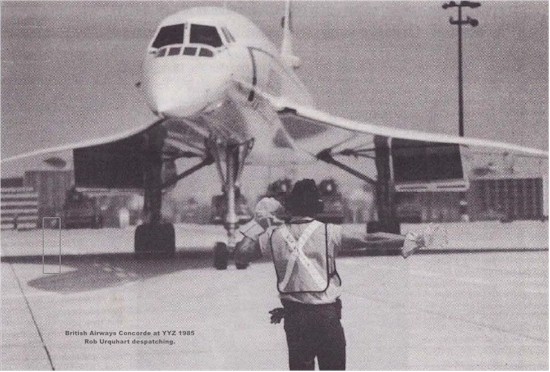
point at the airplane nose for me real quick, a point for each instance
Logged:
(174, 97)
(185, 91)
(182, 101)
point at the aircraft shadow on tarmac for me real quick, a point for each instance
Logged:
(97, 271)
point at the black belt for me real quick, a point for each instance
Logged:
(292, 305)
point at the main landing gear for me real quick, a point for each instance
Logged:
(156, 238)
(385, 199)
(234, 156)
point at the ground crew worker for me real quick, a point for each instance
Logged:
(303, 252)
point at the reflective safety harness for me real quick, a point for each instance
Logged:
(308, 276)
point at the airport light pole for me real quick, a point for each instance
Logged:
(463, 207)
(459, 22)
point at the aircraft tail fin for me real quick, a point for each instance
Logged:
(287, 53)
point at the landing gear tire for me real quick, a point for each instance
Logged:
(241, 266)
(155, 240)
(221, 256)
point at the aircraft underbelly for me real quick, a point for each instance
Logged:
(236, 121)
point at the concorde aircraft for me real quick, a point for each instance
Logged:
(225, 95)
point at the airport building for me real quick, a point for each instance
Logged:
(39, 193)
(491, 196)
(46, 193)
(504, 199)
(19, 205)
(51, 187)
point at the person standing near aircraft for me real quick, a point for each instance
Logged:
(303, 252)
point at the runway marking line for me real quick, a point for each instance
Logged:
(33, 318)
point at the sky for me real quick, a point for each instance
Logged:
(69, 69)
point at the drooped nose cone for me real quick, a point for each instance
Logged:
(184, 87)
(173, 96)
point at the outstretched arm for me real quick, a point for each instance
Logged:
(353, 239)
(409, 243)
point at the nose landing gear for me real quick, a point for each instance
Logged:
(235, 155)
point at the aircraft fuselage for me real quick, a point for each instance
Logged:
(194, 73)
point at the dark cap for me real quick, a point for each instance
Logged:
(305, 199)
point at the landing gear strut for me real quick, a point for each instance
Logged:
(385, 195)
(235, 155)
(155, 238)
(385, 201)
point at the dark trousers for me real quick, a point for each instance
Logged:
(314, 331)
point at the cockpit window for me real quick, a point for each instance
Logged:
(206, 53)
(228, 35)
(205, 35)
(174, 51)
(224, 31)
(169, 35)
(189, 51)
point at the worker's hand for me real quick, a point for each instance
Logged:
(413, 242)
(432, 237)
(277, 315)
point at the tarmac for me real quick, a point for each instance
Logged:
(479, 303)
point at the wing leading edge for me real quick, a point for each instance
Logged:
(315, 117)
(82, 144)
(119, 161)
